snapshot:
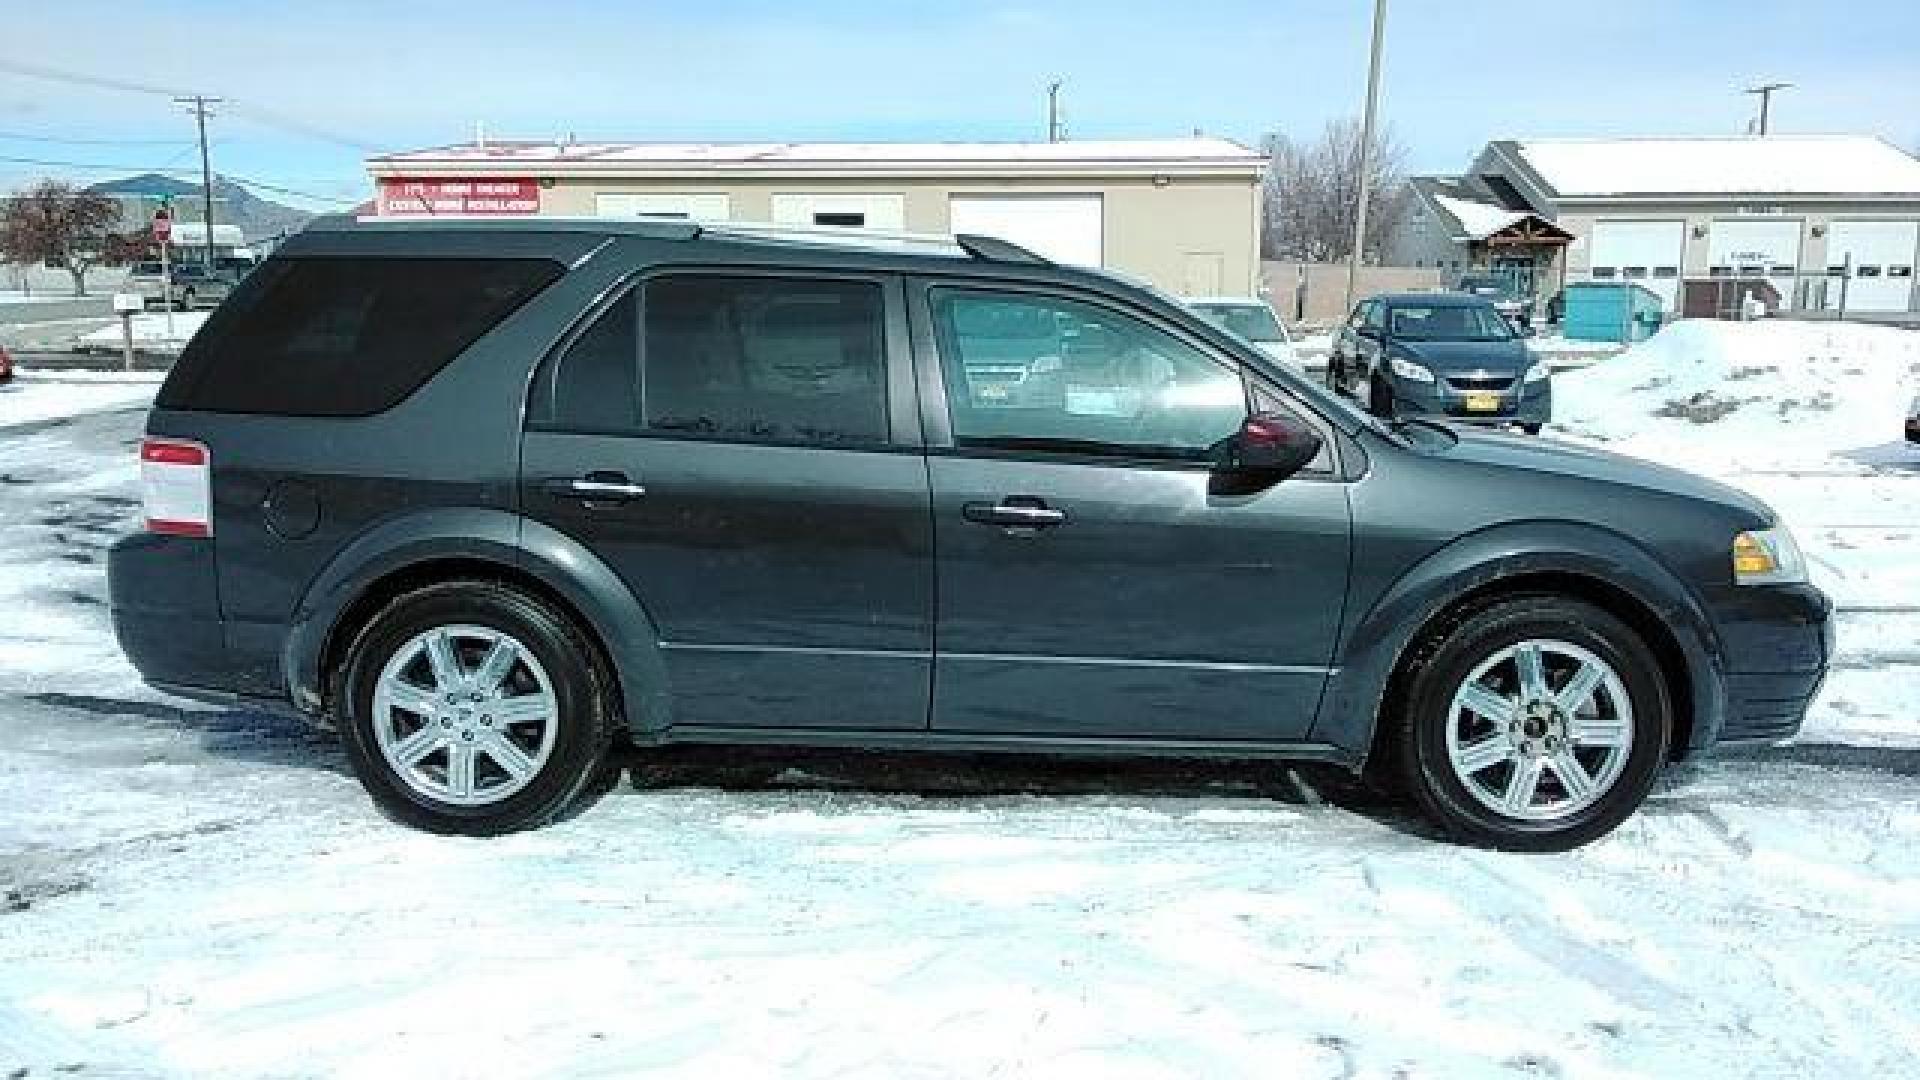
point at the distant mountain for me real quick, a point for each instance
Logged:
(258, 218)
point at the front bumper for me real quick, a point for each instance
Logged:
(1530, 404)
(1777, 642)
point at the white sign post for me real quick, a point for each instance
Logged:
(124, 305)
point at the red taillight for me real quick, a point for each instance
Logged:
(176, 487)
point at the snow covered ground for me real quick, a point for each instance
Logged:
(195, 891)
(153, 331)
(35, 395)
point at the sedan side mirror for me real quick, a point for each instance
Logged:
(1268, 448)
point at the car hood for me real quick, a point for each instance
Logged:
(1279, 350)
(1589, 463)
(1456, 357)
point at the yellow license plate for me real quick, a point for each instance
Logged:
(1483, 402)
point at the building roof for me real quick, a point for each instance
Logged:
(1786, 165)
(1171, 156)
(1469, 211)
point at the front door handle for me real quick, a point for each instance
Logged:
(596, 487)
(1016, 514)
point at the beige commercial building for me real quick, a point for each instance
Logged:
(1180, 213)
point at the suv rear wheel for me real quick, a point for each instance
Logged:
(1537, 724)
(471, 708)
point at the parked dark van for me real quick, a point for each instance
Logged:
(494, 497)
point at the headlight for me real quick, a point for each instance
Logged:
(1537, 373)
(1768, 557)
(1407, 369)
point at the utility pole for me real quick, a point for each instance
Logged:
(1366, 149)
(199, 105)
(1054, 131)
(1765, 92)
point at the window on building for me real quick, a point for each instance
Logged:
(1780, 270)
(1666, 272)
(1632, 273)
(1903, 272)
(1720, 271)
(841, 220)
(1867, 271)
(1604, 273)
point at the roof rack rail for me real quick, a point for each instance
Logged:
(994, 249)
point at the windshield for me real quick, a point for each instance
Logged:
(1255, 322)
(1447, 322)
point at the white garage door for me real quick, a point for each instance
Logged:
(1064, 228)
(1756, 249)
(705, 205)
(845, 209)
(1877, 259)
(1645, 252)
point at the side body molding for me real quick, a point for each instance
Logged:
(489, 536)
(1380, 627)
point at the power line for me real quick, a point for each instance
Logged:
(243, 181)
(14, 136)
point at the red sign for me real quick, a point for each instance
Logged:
(162, 227)
(492, 195)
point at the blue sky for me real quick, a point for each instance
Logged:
(315, 84)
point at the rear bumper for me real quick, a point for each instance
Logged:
(166, 616)
(1778, 641)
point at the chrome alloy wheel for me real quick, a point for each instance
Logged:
(1540, 730)
(465, 715)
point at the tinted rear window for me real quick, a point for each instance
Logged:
(345, 337)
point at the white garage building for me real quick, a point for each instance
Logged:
(1181, 213)
(1828, 221)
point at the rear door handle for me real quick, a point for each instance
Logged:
(596, 487)
(1015, 513)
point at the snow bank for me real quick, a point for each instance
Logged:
(1763, 395)
(35, 396)
(152, 332)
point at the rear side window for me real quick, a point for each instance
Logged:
(794, 361)
(345, 337)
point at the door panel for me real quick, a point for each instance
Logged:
(1091, 584)
(733, 446)
(1154, 610)
(789, 586)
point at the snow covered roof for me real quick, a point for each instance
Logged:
(1777, 165)
(1479, 220)
(1131, 155)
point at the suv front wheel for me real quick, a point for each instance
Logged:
(1536, 724)
(468, 707)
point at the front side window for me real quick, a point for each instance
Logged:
(1037, 373)
(764, 359)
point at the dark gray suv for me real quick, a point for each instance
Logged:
(493, 498)
(1446, 355)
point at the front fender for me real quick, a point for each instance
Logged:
(1379, 633)
(398, 544)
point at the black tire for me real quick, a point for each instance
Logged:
(1421, 710)
(1379, 397)
(1531, 429)
(578, 768)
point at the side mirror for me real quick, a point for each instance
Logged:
(1268, 448)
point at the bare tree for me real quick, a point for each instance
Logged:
(55, 223)
(1313, 190)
